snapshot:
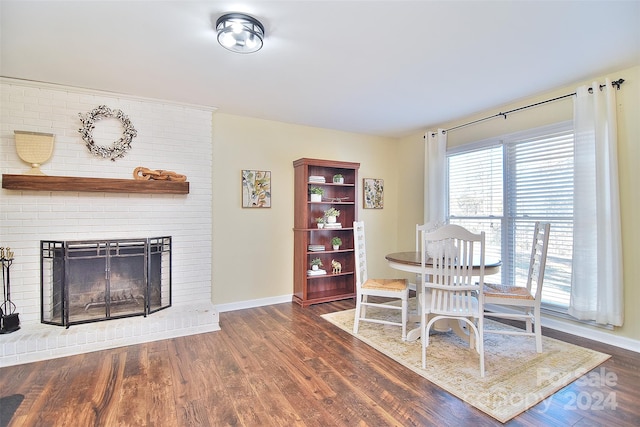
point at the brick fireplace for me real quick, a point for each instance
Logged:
(170, 137)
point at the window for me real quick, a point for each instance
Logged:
(503, 186)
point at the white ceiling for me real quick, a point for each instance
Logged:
(386, 68)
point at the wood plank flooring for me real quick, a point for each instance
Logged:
(282, 365)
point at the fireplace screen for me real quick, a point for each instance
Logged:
(94, 280)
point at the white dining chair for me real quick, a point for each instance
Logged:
(522, 302)
(455, 289)
(368, 287)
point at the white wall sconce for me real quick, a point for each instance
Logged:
(240, 33)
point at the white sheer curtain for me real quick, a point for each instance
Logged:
(596, 284)
(435, 157)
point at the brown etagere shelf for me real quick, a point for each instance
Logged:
(315, 289)
(104, 185)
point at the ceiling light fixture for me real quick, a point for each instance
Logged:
(240, 33)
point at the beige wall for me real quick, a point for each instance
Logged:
(628, 100)
(410, 193)
(253, 248)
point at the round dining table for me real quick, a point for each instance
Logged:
(411, 262)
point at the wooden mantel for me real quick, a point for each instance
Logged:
(104, 185)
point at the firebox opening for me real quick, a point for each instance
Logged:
(95, 280)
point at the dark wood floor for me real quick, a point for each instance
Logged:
(284, 365)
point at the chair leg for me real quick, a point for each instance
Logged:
(480, 344)
(405, 310)
(363, 308)
(528, 322)
(356, 320)
(424, 337)
(476, 338)
(538, 329)
(472, 338)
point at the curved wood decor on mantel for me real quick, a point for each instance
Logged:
(105, 185)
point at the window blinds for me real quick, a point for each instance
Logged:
(502, 188)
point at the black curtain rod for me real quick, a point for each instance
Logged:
(615, 84)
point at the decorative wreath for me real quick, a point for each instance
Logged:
(119, 148)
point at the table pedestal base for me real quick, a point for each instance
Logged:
(441, 326)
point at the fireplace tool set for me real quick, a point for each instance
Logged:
(9, 321)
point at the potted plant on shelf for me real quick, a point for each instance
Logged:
(331, 214)
(316, 194)
(336, 242)
(338, 178)
(316, 263)
(320, 222)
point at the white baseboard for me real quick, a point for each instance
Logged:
(241, 305)
(590, 333)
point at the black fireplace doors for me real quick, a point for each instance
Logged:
(95, 280)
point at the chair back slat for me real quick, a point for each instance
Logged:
(538, 259)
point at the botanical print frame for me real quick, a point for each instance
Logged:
(256, 189)
(373, 194)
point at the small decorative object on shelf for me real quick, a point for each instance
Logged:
(120, 147)
(9, 320)
(316, 263)
(316, 194)
(336, 267)
(320, 221)
(318, 272)
(336, 242)
(144, 174)
(336, 199)
(331, 214)
(338, 179)
(333, 225)
(34, 148)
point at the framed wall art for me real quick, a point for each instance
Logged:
(373, 193)
(256, 189)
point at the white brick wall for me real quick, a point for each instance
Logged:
(170, 137)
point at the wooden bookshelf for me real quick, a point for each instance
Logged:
(311, 289)
(104, 185)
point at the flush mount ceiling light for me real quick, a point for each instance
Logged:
(240, 33)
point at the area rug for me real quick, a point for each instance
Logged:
(516, 377)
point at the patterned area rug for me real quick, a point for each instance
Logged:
(516, 377)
